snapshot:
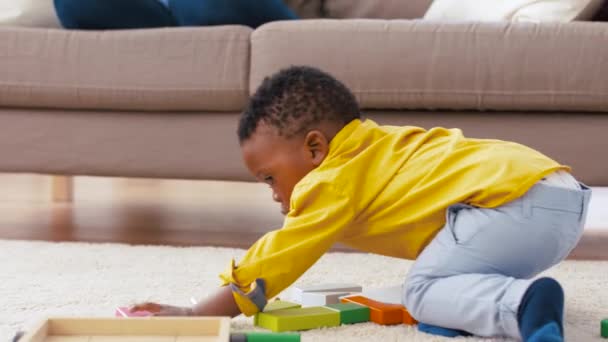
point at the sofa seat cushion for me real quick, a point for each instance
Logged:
(376, 9)
(413, 64)
(177, 69)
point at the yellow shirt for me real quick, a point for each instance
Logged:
(385, 190)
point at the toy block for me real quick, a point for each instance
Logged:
(387, 294)
(298, 319)
(297, 291)
(351, 313)
(280, 305)
(604, 328)
(276, 305)
(322, 298)
(380, 313)
(407, 317)
(124, 311)
(272, 337)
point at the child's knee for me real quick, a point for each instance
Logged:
(413, 293)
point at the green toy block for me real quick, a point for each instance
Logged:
(276, 305)
(351, 313)
(298, 319)
(272, 337)
(280, 305)
(604, 328)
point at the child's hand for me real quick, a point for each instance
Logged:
(162, 309)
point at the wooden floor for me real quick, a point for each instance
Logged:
(159, 212)
(137, 211)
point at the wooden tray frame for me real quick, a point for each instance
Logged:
(145, 329)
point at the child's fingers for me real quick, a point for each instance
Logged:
(151, 307)
(155, 309)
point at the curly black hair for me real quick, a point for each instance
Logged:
(297, 99)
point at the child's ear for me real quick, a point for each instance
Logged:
(317, 147)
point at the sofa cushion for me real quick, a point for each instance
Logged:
(404, 64)
(31, 13)
(121, 143)
(379, 9)
(198, 69)
(514, 10)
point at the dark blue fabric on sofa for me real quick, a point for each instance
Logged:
(252, 13)
(602, 13)
(127, 14)
(113, 14)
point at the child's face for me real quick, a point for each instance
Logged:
(282, 162)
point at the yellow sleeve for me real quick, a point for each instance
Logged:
(315, 222)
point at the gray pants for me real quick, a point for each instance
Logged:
(474, 273)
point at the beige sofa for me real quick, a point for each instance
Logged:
(165, 102)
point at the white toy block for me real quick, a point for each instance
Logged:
(322, 298)
(297, 291)
(388, 295)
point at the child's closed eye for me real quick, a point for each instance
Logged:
(269, 180)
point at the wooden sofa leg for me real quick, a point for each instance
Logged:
(63, 188)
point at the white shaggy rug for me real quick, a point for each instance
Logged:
(39, 279)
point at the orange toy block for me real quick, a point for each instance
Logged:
(380, 313)
(407, 318)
